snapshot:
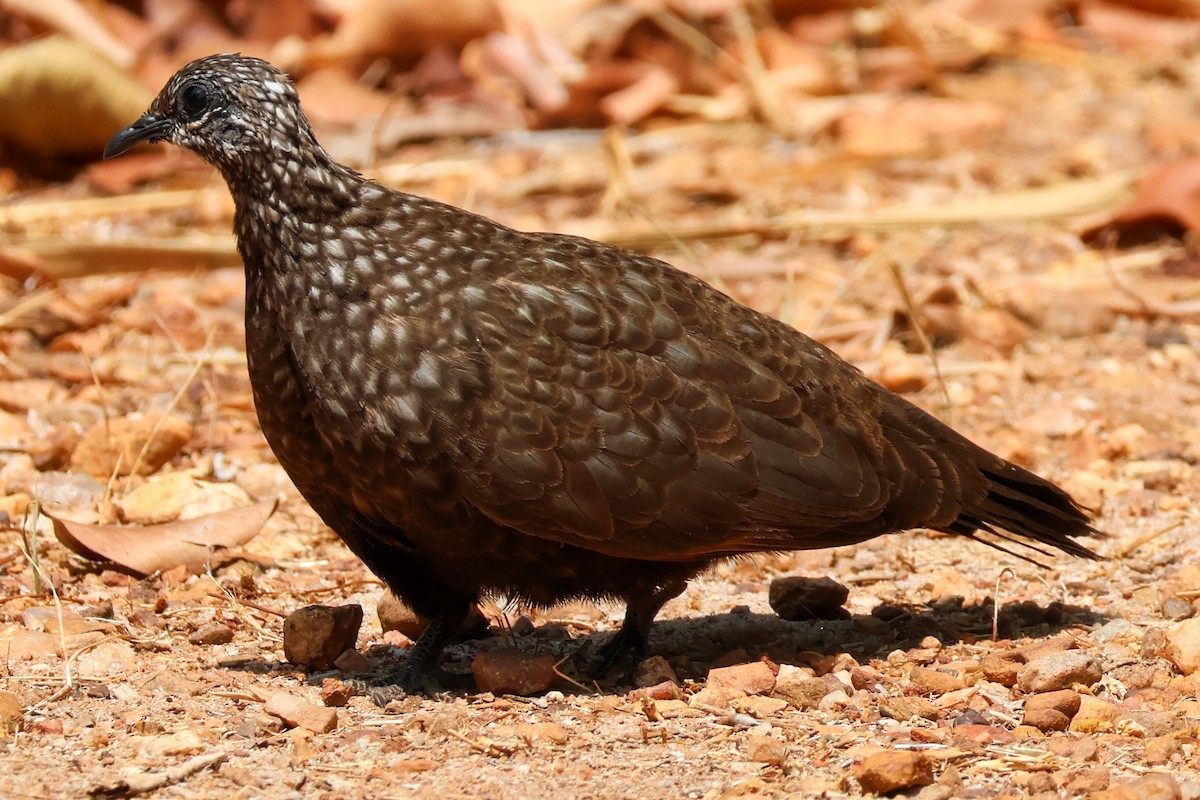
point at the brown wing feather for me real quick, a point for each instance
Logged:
(660, 437)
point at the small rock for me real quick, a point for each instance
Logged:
(1155, 786)
(1177, 609)
(1046, 719)
(11, 713)
(159, 499)
(905, 708)
(513, 672)
(1181, 645)
(216, 633)
(716, 697)
(314, 636)
(300, 714)
(1138, 722)
(264, 481)
(892, 771)
(761, 707)
(799, 598)
(933, 681)
(395, 615)
(1059, 671)
(108, 660)
(901, 372)
(667, 690)
(653, 671)
(1002, 667)
(14, 506)
(1092, 779)
(1112, 629)
(834, 703)
(113, 446)
(765, 749)
(866, 678)
(1094, 715)
(1051, 711)
(171, 682)
(335, 693)
(801, 692)
(352, 661)
(169, 744)
(753, 678)
(1161, 749)
(1054, 421)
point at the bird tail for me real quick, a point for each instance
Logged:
(1007, 502)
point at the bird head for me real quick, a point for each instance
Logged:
(225, 108)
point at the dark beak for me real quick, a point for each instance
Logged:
(147, 128)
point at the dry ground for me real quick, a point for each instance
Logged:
(1076, 362)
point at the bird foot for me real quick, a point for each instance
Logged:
(407, 683)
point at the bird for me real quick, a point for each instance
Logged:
(478, 411)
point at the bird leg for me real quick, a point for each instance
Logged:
(420, 673)
(632, 642)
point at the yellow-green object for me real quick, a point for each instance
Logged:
(58, 97)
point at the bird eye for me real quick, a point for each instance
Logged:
(193, 99)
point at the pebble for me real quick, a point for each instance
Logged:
(1155, 786)
(1177, 609)
(716, 697)
(905, 708)
(1181, 645)
(513, 672)
(11, 713)
(1094, 715)
(1059, 671)
(335, 693)
(395, 615)
(1147, 723)
(314, 636)
(667, 690)
(765, 749)
(754, 678)
(654, 671)
(799, 598)
(216, 633)
(1003, 667)
(108, 660)
(1112, 629)
(116, 446)
(932, 681)
(892, 771)
(801, 692)
(301, 714)
(1051, 711)
(1092, 779)
(168, 744)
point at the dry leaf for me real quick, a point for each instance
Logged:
(1167, 202)
(149, 549)
(1139, 30)
(912, 125)
(71, 18)
(403, 29)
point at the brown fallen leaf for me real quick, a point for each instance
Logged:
(1167, 202)
(152, 548)
(912, 125)
(1151, 30)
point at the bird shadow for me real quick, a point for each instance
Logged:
(692, 646)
